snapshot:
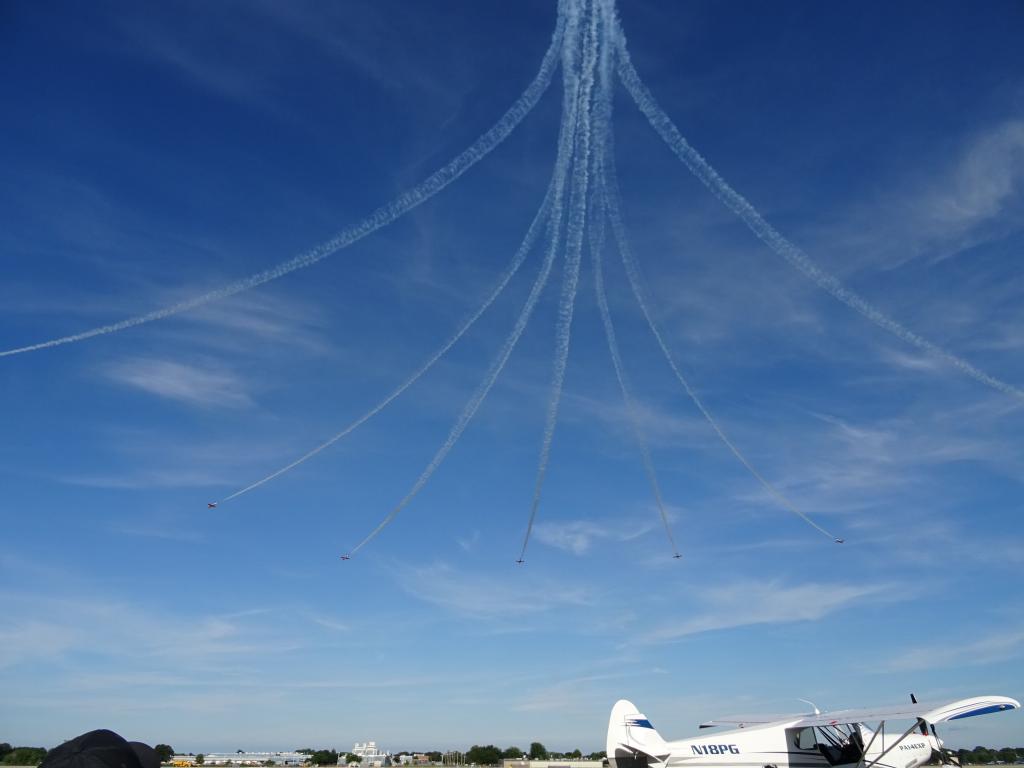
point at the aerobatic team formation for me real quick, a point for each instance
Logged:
(581, 211)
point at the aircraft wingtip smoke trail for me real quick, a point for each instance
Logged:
(583, 119)
(599, 215)
(586, 121)
(578, 199)
(380, 218)
(771, 237)
(611, 202)
(510, 271)
(590, 46)
(566, 142)
(636, 284)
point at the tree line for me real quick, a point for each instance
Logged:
(21, 755)
(491, 755)
(328, 756)
(989, 755)
(481, 755)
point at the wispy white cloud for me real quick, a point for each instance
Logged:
(210, 385)
(332, 624)
(570, 694)
(470, 542)
(975, 198)
(154, 458)
(196, 52)
(29, 639)
(851, 464)
(658, 425)
(996, 646)
(358, 43)
(346, 42)
(271, 321)
(577, 536)
(750, 603)
(910, 360)
(58, 628)
(154, 532)
(968, 198)
(476, 596)
(919, 441)
(158, 477)
(981, 187)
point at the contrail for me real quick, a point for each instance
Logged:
(597, 245)
(524, 249)
(620, 374)
(567, 134)
(573, 252)
(469, 411)
(378, 219)
(613, 202)
(770, 236)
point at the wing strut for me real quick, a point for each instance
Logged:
(891, 747)
(864, 752)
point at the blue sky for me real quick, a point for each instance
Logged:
(153, 153)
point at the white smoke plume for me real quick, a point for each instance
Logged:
(380, 218)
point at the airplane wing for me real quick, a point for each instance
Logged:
(930, 713)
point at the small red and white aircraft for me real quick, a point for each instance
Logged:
(818, 740)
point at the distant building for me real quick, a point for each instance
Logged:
(372, 756)
(253, 759)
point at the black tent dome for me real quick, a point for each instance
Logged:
(95, 749)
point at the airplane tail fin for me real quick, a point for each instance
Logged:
(632, 741)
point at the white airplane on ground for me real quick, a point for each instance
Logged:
(820, 740)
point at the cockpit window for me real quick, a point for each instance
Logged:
(805, 739)
(839, 745)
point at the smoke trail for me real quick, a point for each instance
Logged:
(566, 141)
(700, 168)
(474, 403)
(573, 252)
(524, 249)
(378, 219)
(613, 202)
(598, 212)
(597, 246)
